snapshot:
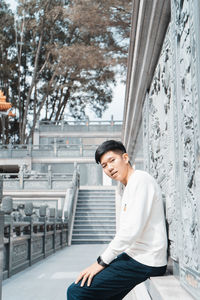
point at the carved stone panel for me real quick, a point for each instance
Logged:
(58, 239)
(37, 246)
(20, 253)
(159, 133)
(5, 257)
(188, 121)
(49, 242)
(171, 121)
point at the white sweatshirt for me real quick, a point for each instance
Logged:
(142, 231)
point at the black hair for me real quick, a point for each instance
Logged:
(106, 146)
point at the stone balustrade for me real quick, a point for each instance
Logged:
(33, 237)
(80, 126)
(54, 150)
(30, 180)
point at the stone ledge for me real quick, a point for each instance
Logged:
(166, 288)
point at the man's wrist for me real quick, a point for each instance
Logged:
(101, 262)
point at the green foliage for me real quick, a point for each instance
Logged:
(62, 54)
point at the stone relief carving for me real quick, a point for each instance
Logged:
(171, 121)
(58, 239)
(159, 138)
(20, 252)
(188, 104)
(49, 242)
(37, 246)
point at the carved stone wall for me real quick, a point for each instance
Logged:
(171, 118)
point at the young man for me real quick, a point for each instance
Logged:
(139, 248)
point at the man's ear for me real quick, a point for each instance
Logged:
(125, 157)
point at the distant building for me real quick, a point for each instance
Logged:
(58, 146)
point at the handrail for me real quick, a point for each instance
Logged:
(45, 146)
(71, 197)
(77, 123)
(13, 151)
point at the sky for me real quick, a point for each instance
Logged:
(116, 107)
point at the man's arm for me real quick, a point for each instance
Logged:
(134, 216)
(132, 221)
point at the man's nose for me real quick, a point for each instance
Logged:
(110, 167)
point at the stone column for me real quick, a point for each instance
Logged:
(1, 237)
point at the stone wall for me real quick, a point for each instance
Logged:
(170, 121)
(171, 138)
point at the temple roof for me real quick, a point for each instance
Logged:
(4, 106)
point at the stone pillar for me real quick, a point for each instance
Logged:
(36, 135)
(1, 237)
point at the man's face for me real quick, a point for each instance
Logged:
(115, 165)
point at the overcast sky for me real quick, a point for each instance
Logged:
(116, 108)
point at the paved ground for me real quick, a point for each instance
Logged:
(48, 279)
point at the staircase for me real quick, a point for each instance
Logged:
(95, 217)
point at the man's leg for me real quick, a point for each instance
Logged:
(114, 282)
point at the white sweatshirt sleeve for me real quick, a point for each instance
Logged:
(136, 207)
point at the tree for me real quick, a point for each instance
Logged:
(7, 62)
(67, 55)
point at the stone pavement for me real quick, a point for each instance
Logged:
(48, 279)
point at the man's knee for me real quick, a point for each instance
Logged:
(71, 292)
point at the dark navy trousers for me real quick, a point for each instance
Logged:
(115, 281)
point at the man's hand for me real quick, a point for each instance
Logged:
(89, 273)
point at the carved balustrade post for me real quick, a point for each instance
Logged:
(28, 210)
(21, 176)
(52, 218)
(7, 207)
(42, 218)
(50, 176)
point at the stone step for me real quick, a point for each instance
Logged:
(93, 218)
(95, 222)
(81, 191)
(167, 288)
(97, 194)
(95, 213)
(98, 197)
(91, 236)
(96, 200)
(94, 241)
(94, 226)
(95, 204)
(95, 208)
(94, 231)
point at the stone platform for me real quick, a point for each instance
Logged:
(48, 279)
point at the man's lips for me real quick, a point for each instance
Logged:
(113, 173)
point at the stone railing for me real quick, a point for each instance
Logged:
(31, 180)
(32, 238)
(86, 125)
(54, 150)
(31, 233)
(72, 196)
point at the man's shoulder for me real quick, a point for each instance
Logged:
(143, 176)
